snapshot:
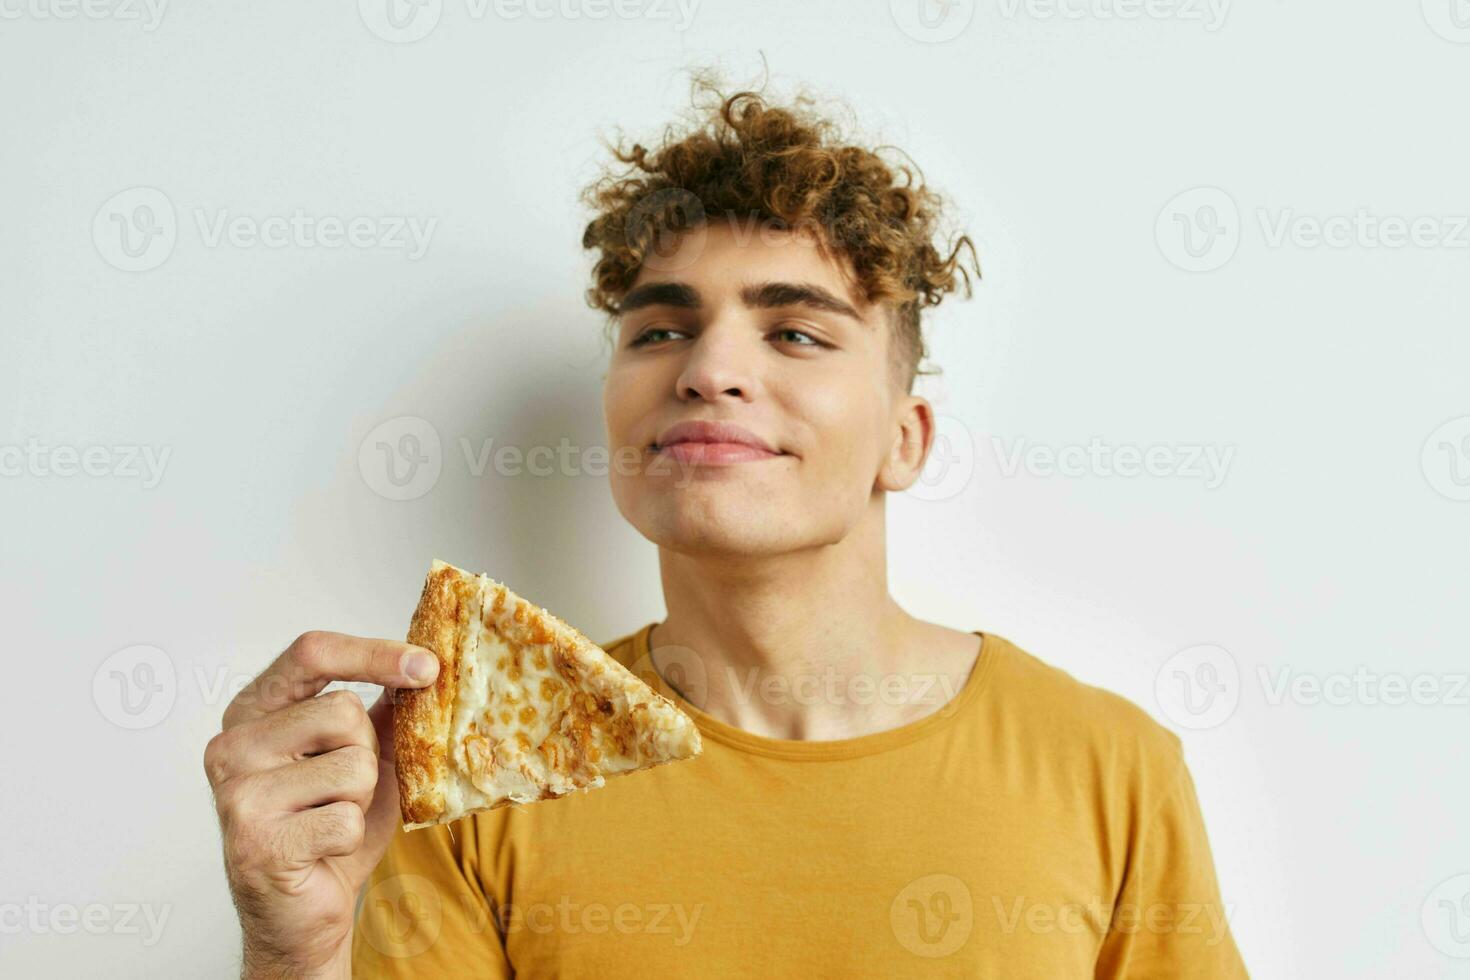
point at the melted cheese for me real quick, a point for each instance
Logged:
(538, 714)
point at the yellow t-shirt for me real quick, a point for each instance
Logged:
(1033, 827)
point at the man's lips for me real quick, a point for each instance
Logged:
(716, 453)
(698, 441)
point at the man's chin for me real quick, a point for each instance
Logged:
(731, 531)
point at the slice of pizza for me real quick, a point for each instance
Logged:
(525, 707)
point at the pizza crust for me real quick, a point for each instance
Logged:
(421, 716)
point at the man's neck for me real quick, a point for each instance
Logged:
(808, 644)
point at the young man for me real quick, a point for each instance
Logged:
(878, 795)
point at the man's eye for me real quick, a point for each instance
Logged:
(649, 336)
(809, 341)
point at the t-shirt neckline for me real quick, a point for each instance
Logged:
(845, 748)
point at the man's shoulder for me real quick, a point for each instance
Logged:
(1071, 713)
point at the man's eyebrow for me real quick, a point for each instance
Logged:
(766, 295)
(661, 294)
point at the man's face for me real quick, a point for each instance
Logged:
(753, 327)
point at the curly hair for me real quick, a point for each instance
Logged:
(792, 168)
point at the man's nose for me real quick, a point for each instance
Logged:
(719, 362)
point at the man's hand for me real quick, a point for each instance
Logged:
(308, 797)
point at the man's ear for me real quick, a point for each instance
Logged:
(912, 439)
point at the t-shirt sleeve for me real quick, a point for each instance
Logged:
(424, 911)
(1169, 920)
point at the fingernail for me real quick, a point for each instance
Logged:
(419, 666)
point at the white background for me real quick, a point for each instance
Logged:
(1335, 543)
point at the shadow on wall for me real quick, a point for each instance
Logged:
(491, 456)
